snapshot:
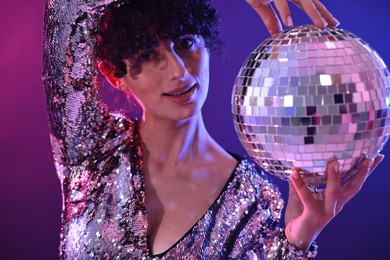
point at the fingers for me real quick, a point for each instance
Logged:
(284, 12)
(354, 185)
(317, 12)
(333, 185)
(326, 14)
(267, 14)
(303, 192)
(310, 9)
(377, 161)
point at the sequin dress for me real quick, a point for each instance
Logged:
(99, 163)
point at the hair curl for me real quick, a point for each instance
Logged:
(140, 24)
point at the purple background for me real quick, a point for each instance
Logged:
(30, 194)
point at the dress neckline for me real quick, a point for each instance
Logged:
(220, 195)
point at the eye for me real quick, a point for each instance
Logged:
(146, 56)
(186, 42)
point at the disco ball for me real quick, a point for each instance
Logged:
(305, 95)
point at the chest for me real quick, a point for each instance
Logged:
(176, 203)
(116, 223)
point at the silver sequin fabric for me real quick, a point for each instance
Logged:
(99, 163)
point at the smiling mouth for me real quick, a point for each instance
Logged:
(181, 92)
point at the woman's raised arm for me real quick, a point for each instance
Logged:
(77, 117)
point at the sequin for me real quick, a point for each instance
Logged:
(99, 163)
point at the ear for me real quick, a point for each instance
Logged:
(108, 73)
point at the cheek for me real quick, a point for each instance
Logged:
(204, 70)
(200, 64)
(139, 83)
(145, 93)
(140, 94)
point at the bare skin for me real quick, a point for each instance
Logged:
(306, 215)
(180, 191)
(313, 8)
(185, 169)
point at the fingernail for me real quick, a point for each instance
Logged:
(370, 163)
(362, 157)
(324, 21)
(337, 22)
(295, 174)
(336, 168)
(289, 21)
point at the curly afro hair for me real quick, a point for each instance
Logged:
(140, 24)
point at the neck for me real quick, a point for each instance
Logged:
(170, 144)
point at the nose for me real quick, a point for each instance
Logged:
(174, 65)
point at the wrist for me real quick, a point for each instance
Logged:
(283, 249)
(301, 240)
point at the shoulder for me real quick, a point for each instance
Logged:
(121, 124)
(257, 184)
(248, 171)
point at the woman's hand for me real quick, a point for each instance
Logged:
(307, 215)
(313, 8)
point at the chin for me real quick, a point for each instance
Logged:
(190, 114)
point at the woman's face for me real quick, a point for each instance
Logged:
(171, 80)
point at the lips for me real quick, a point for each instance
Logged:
(181, 95)
(179, 91)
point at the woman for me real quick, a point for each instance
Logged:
(161, 187)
